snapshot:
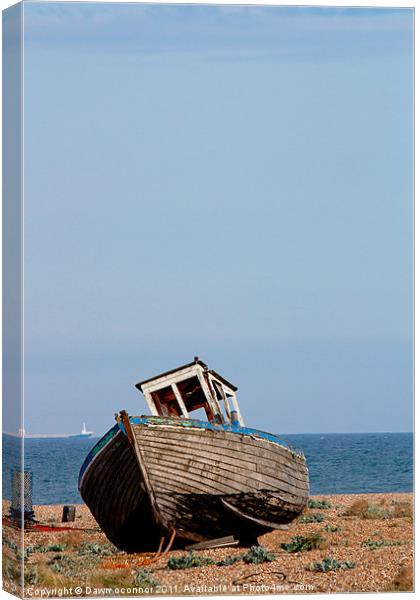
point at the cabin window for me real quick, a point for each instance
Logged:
(166, 402)
(192, 393)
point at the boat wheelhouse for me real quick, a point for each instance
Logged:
(187, 389)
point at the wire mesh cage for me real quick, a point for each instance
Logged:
(22, 507)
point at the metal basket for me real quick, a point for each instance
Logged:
(22, 507)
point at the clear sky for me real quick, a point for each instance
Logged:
(233, 183)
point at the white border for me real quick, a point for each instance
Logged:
(338, 3)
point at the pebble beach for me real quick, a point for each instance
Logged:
(341, 543)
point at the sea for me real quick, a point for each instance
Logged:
(350, 463)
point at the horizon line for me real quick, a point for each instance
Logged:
(64, 435)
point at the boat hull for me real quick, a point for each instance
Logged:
(199, 479)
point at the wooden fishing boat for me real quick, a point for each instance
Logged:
(191, 479)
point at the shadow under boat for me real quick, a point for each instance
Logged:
(193, 480)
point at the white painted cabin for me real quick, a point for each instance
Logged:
(189, 388)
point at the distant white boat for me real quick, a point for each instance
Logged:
(83, 434)
(22, 434)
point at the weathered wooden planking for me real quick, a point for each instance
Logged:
(233, 448)
(178, 425)
(247, 455)
(228, 441)
(209, 475)
(187, 483)
(211, 470)
(191, 446)
(203, 433)
(248, 460)
(232, 462)
(216, 466)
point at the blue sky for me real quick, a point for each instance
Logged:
(232, 182)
